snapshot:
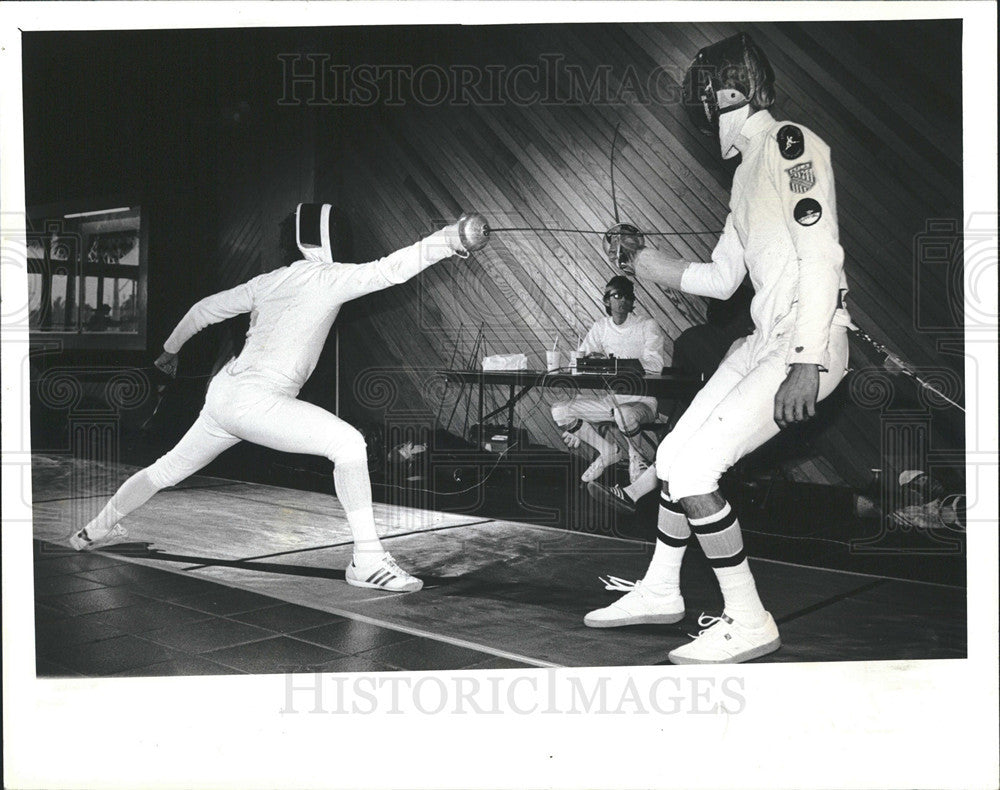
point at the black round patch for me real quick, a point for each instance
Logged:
(791, 142)
(808, 211)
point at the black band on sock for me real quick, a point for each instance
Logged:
(727, 562)
(715, 526)
(673, 507)
(670, 540)
(633, 433)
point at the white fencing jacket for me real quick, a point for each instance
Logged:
(782, 230)
(292, 308)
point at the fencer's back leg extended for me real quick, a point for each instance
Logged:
(197, 448)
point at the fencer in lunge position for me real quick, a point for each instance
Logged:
(626, 336)
(253, 398)
(782, 230)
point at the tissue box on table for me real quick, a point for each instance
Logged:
(505, 362)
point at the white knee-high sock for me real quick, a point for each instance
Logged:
(354, 490)
(134, 492)
(672, 533)
(722, 541)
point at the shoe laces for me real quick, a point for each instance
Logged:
(390, 563)
(619, 585)
(706, 622)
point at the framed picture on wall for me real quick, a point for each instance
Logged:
(87, 274)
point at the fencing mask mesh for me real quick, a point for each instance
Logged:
(735, 63)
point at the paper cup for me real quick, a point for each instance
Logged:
(552, 360)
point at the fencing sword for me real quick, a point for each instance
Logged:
(898, 365)
(893, 363)
(619, 226)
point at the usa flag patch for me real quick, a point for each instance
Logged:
(801, 178)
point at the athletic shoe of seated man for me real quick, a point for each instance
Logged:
(642, 605)
(602, 462)
(724, 641)
(84, 541)
(636, 465)
(382, 574)
(614, 495)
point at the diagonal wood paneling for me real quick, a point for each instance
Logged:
(891, 117)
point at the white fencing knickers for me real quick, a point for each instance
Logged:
(250, 407)
(636, 409)
(733, 414)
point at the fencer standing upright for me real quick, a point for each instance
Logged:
(782, 231)
(254, 396)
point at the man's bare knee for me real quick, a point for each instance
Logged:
(703, 505)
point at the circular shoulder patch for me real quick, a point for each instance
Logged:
(808, 211)
(791, 142)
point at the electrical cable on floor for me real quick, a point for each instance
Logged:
(795, 537)
(327, 476)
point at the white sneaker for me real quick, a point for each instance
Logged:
(636, 465)
(596, 469)
(724, 641)
(640, 606)
(83, 540)
(383, 574)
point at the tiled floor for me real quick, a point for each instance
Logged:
(261, 591)
(98, 616)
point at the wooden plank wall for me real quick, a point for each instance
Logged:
(889, 111)
(263, 163)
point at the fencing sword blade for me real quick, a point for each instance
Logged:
(542, 229)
